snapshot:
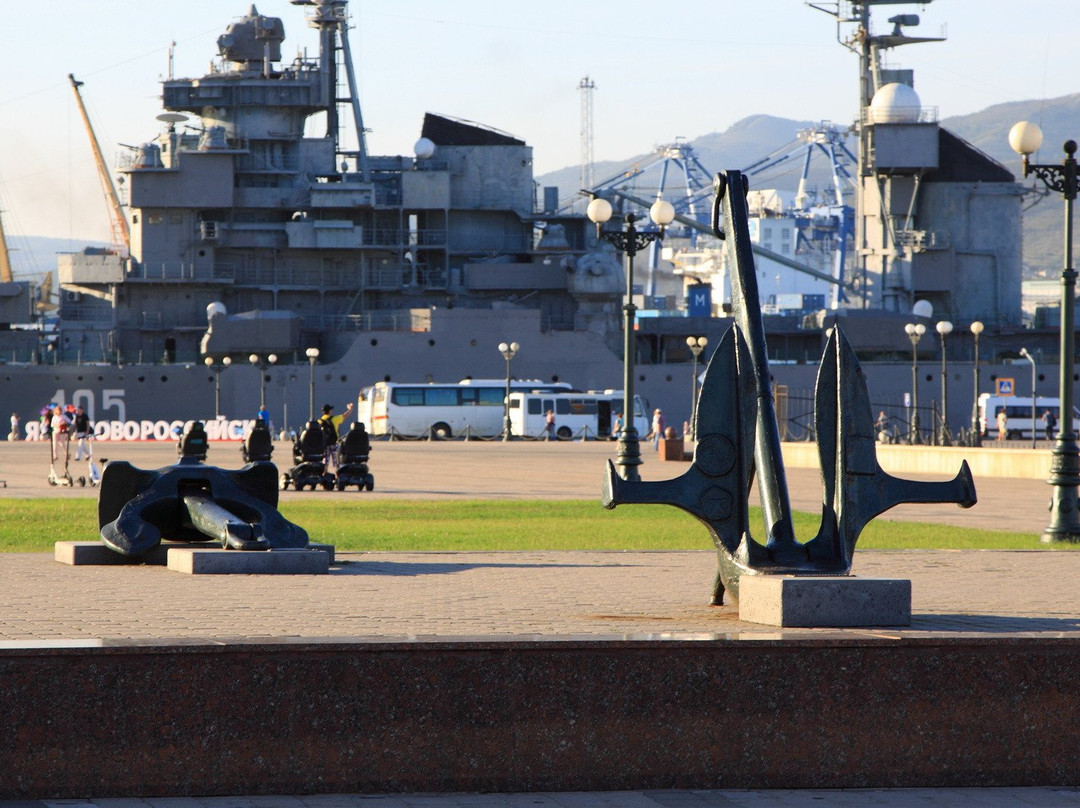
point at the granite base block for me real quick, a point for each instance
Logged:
(92, 553)
(523, 715)
(252, 562)
(840, 601)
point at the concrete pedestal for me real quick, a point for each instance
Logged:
(255, 562)
(841, 601)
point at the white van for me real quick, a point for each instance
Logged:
(1018, 411)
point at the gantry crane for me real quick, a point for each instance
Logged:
(121, 233)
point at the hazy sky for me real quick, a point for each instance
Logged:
(515, 66)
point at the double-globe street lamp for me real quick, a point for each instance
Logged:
(629, 242)
(262, 364)
(312, 355)
(696, 345)
(976, 427)
(225, 362)
(1025, 139)
(914, 332)
(509, 351)
(944, 327)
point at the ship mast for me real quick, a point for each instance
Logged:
(332, 19)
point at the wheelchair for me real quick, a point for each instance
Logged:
(309, 469)
(258, 444)
(352, 460)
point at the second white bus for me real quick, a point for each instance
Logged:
(577, 415)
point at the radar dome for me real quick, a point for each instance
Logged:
(923, 308)
(217, 307)
(895, 103)
(424, 149)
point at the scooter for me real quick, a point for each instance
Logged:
(65, 478)
(93, 473)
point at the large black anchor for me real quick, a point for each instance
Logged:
(193, 502)
(738, 437)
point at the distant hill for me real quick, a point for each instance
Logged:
(752, 138)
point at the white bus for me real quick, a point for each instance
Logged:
(442, 411)
(577, 415)
(1018, 415)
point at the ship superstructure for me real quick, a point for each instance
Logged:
(238, 205)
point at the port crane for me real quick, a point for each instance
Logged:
(121, 232)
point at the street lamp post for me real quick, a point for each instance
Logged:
(312, 355)
(225, 362)
(914, 332)
(976, 427)
(1025, 138)
(629, 242)
(262, 365)
(944, 327)
(509, 351)
(1024, 353)
(696, 345)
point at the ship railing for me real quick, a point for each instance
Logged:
(378, 320)
(170, 270)
(923, 115)
(404, 277)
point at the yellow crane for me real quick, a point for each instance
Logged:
(121, 233)
(6, 275)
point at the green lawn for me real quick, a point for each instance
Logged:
(33, 525)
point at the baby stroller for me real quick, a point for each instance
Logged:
(352, 456)
(258, 445)
(310, 464)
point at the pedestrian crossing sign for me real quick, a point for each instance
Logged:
(1006, 387)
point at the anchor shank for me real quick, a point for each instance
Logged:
(772, 480)
(214, 521)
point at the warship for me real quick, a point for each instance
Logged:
(255, 256)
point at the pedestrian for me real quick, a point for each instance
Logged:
(331, 427)
(658, 424)
(14, 433)
(882, 426)
(60, 426)
(549, 425)
(617, 426)
(1050, 422)
(1002, 423)
(83, 433)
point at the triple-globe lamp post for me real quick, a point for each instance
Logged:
(509, 351)
(914, 332)
(629, 241)
(1025, 138)
(696, 345)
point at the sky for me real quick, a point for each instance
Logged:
(659, 75)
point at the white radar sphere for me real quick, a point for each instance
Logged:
(923, 308)
(424, 149)
(895, 103)
(217, 307)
